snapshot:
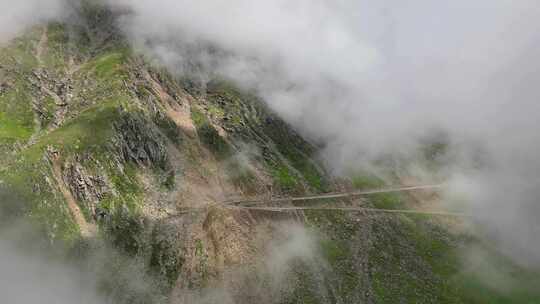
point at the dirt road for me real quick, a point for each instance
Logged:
(259, 201)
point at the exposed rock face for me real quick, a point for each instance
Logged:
(88, 189)
(139, 142)
(52, 98)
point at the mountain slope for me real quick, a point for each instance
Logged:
(106, 150)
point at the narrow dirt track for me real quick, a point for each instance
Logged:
(254, 204)
(260, 201)
(354, 209)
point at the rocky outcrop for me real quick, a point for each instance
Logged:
(53, 88)
(139, 141)
(88, 189)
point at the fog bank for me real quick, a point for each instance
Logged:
(17, 16)
(368, 79)
(375, 78)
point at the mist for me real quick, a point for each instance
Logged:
(17, 16)
(367, 79)
(376, 78)
(34, 271)
(30, 278)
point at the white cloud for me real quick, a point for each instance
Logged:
(370, 78)
(373, 77)
(17, 16)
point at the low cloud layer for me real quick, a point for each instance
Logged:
(29, 276)
(17, 16)
(372, 78)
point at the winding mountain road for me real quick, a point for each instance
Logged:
(355, 209)
(260, 201)
(254, 204)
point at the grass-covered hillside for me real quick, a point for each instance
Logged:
(102, 149)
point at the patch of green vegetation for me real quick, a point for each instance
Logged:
(128, 192)
(285, 179)
(304, 165)
(38, 201)
(415, 261)
(236, 120)
(12, 130)
(216, 112)
(199, 119)
(386, 200)
(108, 65)
(199, 248)
(107, 74)
(312, 175)
(56, 219)
(100, 80)
(209, 136)
(88, 131)
(366, 181)
(143, 92)
(127, 185)
(16, 114)
(299, 154)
